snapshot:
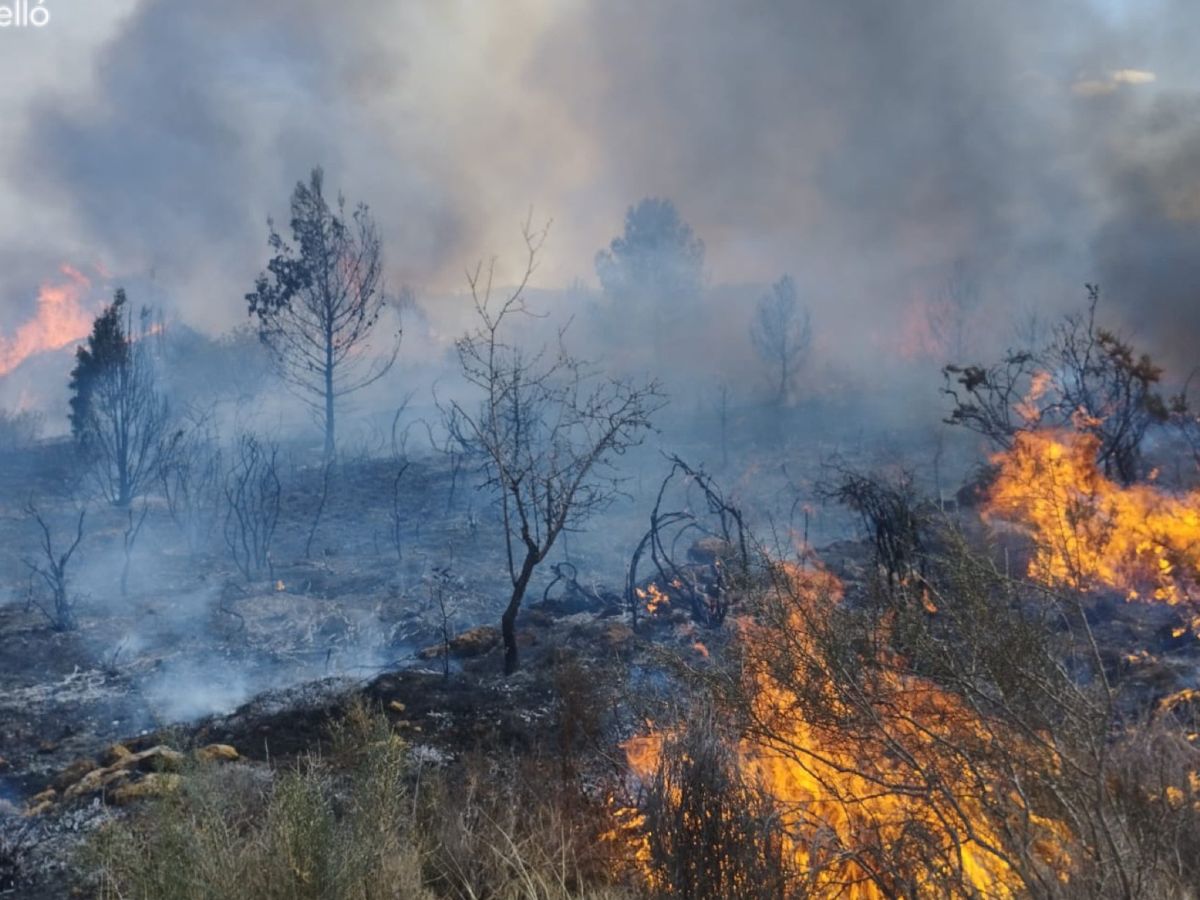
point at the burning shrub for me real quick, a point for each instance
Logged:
(711, 830)
(940, 737)
(1087, 377)
(718, 562)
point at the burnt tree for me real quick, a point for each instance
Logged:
(548, 428)
(51, 570)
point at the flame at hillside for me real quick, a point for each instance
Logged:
(61, 319)
(1088, 531)
(877, 790)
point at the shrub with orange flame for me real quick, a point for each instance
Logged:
(61, 320)
(874, 772)
(1091, 532)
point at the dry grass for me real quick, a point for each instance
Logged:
(359, 823)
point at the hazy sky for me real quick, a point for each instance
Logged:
(860, 145)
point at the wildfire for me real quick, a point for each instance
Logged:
(61, 320)
(852, 803)
(654, 597)
(1089, 531)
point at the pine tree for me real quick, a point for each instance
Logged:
(118, 415)
(107, 349)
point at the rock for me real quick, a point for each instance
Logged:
(160, 758)
(217, 753)
(38, 809)
(115, 754)
(49, 795)
(708, 550)
(153, 785)
(95, 781)
(73, 773)
(616, 636)
(469, 644)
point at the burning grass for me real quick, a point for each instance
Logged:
(874, 810)
(929, 740)
(1087, 530)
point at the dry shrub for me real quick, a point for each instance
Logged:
(509, 829)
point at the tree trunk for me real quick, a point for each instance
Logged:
(508, 622)
(329, 424)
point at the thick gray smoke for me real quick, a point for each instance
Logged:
(867, 147)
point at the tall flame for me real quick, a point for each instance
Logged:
(851, 802)
(1091, 532)
(62, 318)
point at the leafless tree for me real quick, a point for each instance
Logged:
(322, 500)
(20, 429)
(724, 392)
(190, 477)
(949, 315)
(548, 426)
(51, 568)
(782, 335)
(129, 537)
(319, 305)
(252, 496)
(441, 581)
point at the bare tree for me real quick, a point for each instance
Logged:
(548, 428)
(118, 414)
(252, 495)
(129, 538)
(321, 301)
(322, 500)
(949, 315)
(51, 568)
(190, 477)
(782, 335)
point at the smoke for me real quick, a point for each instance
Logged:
(867, 148)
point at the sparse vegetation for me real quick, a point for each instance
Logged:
(48, 570)
(252, 496)
(362, 820)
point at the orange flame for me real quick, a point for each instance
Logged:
(1091, 532)
(61, 320)
(654, 597)
(843, 800)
